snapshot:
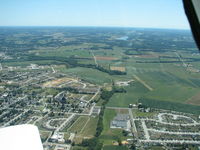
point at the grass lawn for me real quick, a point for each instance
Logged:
(84, 127)
(109, 135)
(78, 124)
(135, 91)
(137, 113)
(90, 128)
(44, 135)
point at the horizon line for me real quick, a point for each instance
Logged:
(94, 26)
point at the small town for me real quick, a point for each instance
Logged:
(58, 104)
(26, 99)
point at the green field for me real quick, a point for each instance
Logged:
(134, 92)
(78, 125)
(91, 75)
(138, 113)
(90, 127)
(163, 70)
(109, 135)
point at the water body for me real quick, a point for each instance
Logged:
(123, 38)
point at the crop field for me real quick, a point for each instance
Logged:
(75, 80)
(91, 75)
(158, 73)
(122, 69)
(195, 100)
(105, 58)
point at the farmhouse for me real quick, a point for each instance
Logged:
(123, 83)
(121, 121)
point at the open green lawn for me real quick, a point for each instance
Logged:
(109, 135)
(138, 113)
(90, 127)
(134, 92)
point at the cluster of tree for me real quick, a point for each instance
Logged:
(99, 128)
(92, 144)
(102, 69)
(71, 61)
(106, 95)
(118, 89)
(125, 133)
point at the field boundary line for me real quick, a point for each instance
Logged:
(73, 124)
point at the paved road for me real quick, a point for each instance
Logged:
(82, 98)
(95, 60)
(14, 101)
(160, 120)
(1, 68)
(134, 129)
(53, 69)
(40, 118)
(91, 110)
(175, 116)
(171, 141)
(47, 124)
(184, 64)
(65, 122)
(172, 132)
(146, 132)
(117, 107)
(168, 123)
(95, 95)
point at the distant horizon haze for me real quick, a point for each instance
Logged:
(163, 14)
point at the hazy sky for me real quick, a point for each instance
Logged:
(131, 13)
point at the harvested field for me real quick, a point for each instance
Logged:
(122, 69)
(195, 100)
(146, 56)
(105, 58)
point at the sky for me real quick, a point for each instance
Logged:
(114, 13)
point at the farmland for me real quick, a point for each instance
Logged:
(72, 82)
